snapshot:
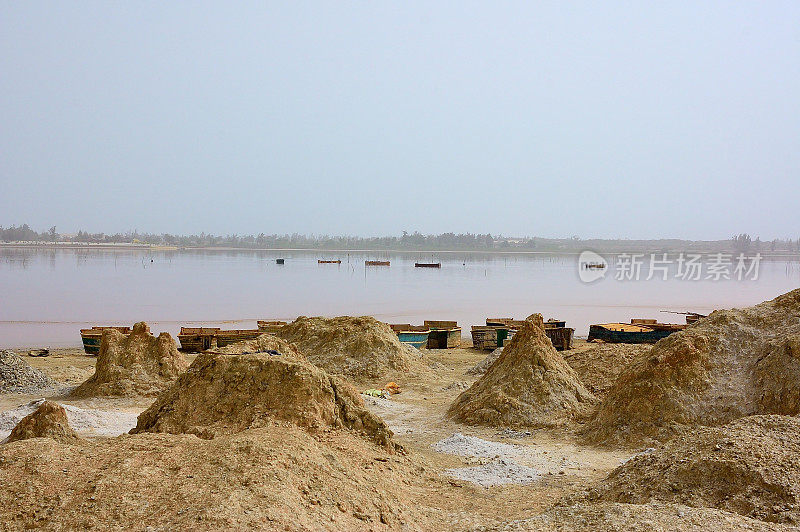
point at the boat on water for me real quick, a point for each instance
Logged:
(443, 335)
(376, 263)
(414, 335)
(639, 331)
(91, 338)
(320, 261)
(427, 264)
(197, 339)
(280, 261)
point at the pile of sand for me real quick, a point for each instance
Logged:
(750, 467)
(272, 478)
(136, 364)
(656, 517)
(529, 385)
(732, 364)
(362, 348)
(481, 367)
(85, 421)
(599, 365)
(17, 376)
(266, 343)
(48, 421)
(226, 394)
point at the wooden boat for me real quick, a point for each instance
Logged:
(270, 327)
(692, 317)
(319, 261)
(91, 338)
(485, 337)
(443, 335)
(236, 335)
(554, 324)
(560, 337)
(415, 335)
(197, 339)
(280, 261)
(376, 263)
(632, 333)
(427, 264)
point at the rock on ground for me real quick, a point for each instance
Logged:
(136, 364)
(17, 376)
(362, 348)
(731, 364)
(750, 467)
(529, 385)
(225, 394)
(48, 421)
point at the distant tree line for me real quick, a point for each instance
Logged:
(405, 241)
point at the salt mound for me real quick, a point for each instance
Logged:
(614, 517)
(362, 348)
(17, 376)
(48, 421)
(732, 364)
(750, 467)
(529, 385)
(481, 367)
(263, 344)
(86, 422)
(224, 394)
(136, 364)
(599, 365)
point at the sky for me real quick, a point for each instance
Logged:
(552, 119)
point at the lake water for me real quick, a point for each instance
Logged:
(47, 295)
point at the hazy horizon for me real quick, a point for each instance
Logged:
(550, 119)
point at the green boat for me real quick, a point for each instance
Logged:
(413, 335)
(92, 337)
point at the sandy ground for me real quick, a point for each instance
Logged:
(417, 416)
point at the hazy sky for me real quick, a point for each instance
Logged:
(596, 119)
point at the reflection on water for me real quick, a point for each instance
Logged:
(46, 295)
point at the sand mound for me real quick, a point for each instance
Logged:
(136, 364)
(48, 421)
(750, 467)
(362, 348)
(732, 364)
(266, 343)
(529, 385)
(86, 422)
(225, 394)
(481, 367)
(17, 376)
(273, 478)
(614, 517)
(599, 365)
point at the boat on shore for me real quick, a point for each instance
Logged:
(270, 327)
(443, 334)
(639, 331)
(414, 335)
(91, 338)
(197, 339)
(236, 335)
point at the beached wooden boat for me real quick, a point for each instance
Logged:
(560, 337)
(554, 324)
(443, 335)
(270, 327)
(427, 264)
(319, 261)
(197, 339)
(415, 335)
(485, 337)
(376, 263)
(632, 333)
(236, 335)
(91, 338)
